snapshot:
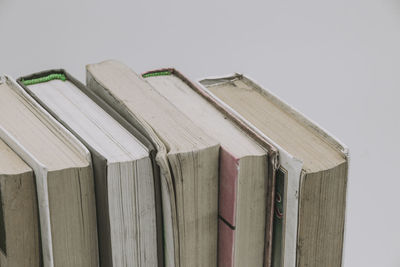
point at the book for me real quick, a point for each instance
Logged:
(312, 178)
(19, 221)
(244, 190)
(123, 169)
(187, 157)
(63, 176)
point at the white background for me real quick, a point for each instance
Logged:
(336, 61)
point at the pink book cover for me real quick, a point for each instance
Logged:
(229, 181)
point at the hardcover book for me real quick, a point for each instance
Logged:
(312, 178)
(19, 220)
(245, 190)
(123, 169)
(187, 157)
(63, 176)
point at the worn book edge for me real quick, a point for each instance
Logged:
(286, 159)
(170, 231)
(48, 75)
(273, 162)
(40, 170)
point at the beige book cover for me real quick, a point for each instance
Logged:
(187, 157)
(19, 218)
(312, 178)
(245, 213)
(126, 176)
(63, 176)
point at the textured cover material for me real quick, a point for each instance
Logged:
(100, 168)
(290, 166)
(226, 240)
(19, 216)
(227, 196)
(228, 183)
(41, 171)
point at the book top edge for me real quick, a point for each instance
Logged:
(297, 115)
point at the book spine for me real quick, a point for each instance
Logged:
(42, 194)
(226, 241)
(228, 183)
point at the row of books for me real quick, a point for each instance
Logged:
(158, 170)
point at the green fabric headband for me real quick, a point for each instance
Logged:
(54, 76)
